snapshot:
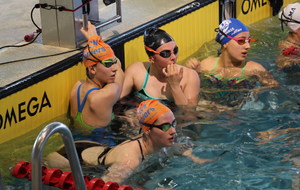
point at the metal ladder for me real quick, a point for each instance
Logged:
(38, 148)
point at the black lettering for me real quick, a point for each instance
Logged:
(45, 102)
(254, 3)
(21, 110)
(246, 6)
(35, 106)
(250, 5)
(10, 117)
(1, 121)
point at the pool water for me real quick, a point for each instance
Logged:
(253, 159)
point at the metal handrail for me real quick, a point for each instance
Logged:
(117, 18)
(38, 148)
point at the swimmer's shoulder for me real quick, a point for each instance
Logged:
(207, 64)
(254, 66)
(137, 67)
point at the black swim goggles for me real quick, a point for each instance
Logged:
(164, 127)
(240, 41)
(284, 19)
(107, 63)
(164, 53)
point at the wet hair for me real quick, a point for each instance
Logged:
(154, 38)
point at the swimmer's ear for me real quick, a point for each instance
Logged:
(92, 69)
(151, 59)
(225, 45)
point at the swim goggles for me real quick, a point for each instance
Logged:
(284, 19)
(240, 41)
(164, 53)
(164, 127)
(107, 63)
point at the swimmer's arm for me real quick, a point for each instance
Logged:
(264, 76)
(174, 75)
(192, 90)
(90, 32)
(267, 79)
(193, 63)
(120, 171)
(188, 153)
(119, 77)
(128, 82)
(187, 94)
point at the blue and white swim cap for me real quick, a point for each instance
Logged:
(231, 27)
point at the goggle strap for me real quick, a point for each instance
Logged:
(93, 54)
(149, 49)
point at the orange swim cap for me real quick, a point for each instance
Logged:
(148, 112)
(99, 49)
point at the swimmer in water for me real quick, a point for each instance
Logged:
(92, 100)
(161, 77)
(289, 60)
(223, 78)
(158, 125)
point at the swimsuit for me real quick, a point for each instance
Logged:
(78, 116)
(142, 95)
(142, 92)
(219, 83)
(107, 149)
(102, 135)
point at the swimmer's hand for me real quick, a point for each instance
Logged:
(193, 63)
(188, 153)
(163, 188)
(90, 32)
(173, 73)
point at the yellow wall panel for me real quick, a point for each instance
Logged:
(27, 109)
(250, 11)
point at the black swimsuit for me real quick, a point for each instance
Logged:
(107, 149)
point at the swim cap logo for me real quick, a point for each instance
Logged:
(224, 27)
(146, 113)
(291, 12)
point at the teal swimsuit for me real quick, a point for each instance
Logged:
(142, 92)
(229, 98)
(142, 95)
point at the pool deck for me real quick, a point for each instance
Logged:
(15, 15)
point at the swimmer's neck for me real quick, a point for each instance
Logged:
(157, 72)
(94, 83)
(148, 146)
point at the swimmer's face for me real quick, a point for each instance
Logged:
(169, 48)
(105, 74)
(239, 46)
(160, 137)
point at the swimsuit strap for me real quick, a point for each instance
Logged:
(81, 105)
(215, 65)
(146, 77)
(143, 158)
(105, 151)
(243, 69)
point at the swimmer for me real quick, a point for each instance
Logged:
(289, 60)
(161, 78)
(92, 100)
(159, 130)
(231, 71)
